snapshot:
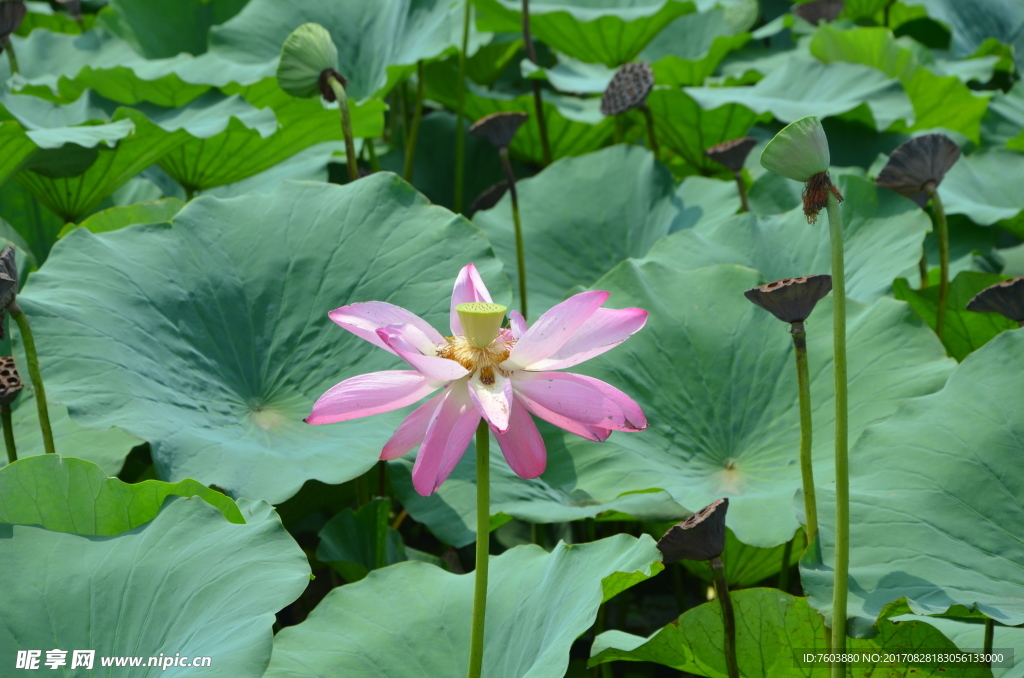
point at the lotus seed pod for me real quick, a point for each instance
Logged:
(699, 537)
(499, 128)
(481, 321)
(799, 151)
(732, 153)
(10, 382)
(919, 165)
(791, 300)
(628, 88)
(819, 11)
(488, 198)
(307, 54)
(11, 14)
(8, 282)
(1006, 297)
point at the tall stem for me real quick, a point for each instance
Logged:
(728, 618)
(787, 553)
(922, 266)
(619, 132)
(842, 558)
(5, 420)
(538, 101)
(346, 127)
(803, 381)
(483, 538)
(943, 232)
(652, 140)
(460, 114)
(520, 253)
(744, 205)
(11, 56)
(371, 151)
(990, 632)
(414, 129)
(33, 371)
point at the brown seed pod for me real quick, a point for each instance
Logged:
(8, 282)
(499, 128)
(815, 195)
(628, 88)
(699, 537)
(918, 166)
(819, 11)
(489, 198)
(1006, 297)
(11, 14)
(732, 153)
(791, 300)
(10, 382)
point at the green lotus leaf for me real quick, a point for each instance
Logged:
(1003, 124)
(21, 145)
(159, 31)
(715, 374)
(113, 218)
(596, 31)
(952, 519)
(689, 49)
(965, 331)
(72, 495)
(984, 186)
(312, 164)
(804, 86)
(35, 225)
(773, 629)
(975, 23)
(356, 542)
(570, 75)
(938, 101)
(969, 635)
(624, 201)
(412, 619)
(689, 128)
(883, 234)
(221, 355)
(42, 15)
(188, 582)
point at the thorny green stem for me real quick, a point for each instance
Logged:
(5, 420)
(652, 140)
(842, 553)
(460, 114)
(803, 381)
(728, 618)
(11, 56)
(538, 101)
(346, 127)
(990, 632)
(483, 531)
(414, 130)
(520, 253)
(943, 233)
(32, 357)
(744, 205)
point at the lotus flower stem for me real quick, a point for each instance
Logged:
(943, 233)
(11, 56)
(990, 628)
(520, 253)
(744, 205)
(460, 114)
(33, 371)
(414, 129)
(922, 267)
(842, 552)
(728, 618)
(538, 101)
(483, 531)
(652, 140)
(787, 553)
(371, 152)
(346, 127)
(803, 380)
(5, 420)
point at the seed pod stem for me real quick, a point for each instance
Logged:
(346, 126)
(744, 205)
(804, 387)
(520, 249)
(538, 101)
(652, 140)
(33, 371)
(11, 56)
(728, 617)
(5, 421)
(942, 230)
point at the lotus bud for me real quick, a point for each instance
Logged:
(308, 59)
(800, 152)
(481, 321)
(699, 537)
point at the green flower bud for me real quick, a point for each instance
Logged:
(799, 151)
(481, 321)
(306, 55)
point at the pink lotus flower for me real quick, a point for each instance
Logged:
(503, 382)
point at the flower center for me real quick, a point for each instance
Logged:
(485, 360)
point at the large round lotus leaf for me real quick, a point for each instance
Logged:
(975, 23)
(189, 582)
(689, 49)
(210, 339)
(717, 379)
(935, 512)
(21, 144)
(882, 233)
(804, 86)
(412, 619)
(162, 30)
(969, 635)
(983, 186)
(589, 30)
(773, 629)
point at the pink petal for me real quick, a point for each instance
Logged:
(411, 432)
(553, 329)
(450, 431)
(469, 286)
(371, 393)
(522, 445)
(363, 319)
(594, 433)
(604, 330)
(409, 343)
(517, 323)
(582, 399)
(493, 401)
